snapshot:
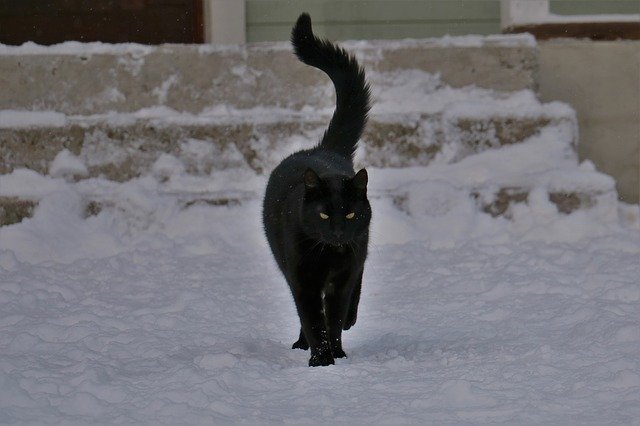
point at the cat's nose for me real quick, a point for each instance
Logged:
(337, 233)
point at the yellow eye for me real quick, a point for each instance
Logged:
(324, 216)
(351, 215)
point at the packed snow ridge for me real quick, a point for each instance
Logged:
(99, 48)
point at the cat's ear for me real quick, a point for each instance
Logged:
(361, 179)
(311, 179)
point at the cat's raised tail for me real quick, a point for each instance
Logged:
(352, 90)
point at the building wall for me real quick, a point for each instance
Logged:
(270, 20)
(592, 7)
(601, 81)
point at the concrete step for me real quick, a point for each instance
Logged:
(95, 78)
(541, 166)
(123, 146)
(14, 209)
(192, 112)
(415, 199)
(501, 202)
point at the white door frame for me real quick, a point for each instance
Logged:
(225, 21)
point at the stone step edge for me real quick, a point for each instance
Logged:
(407, 141)
(83, 78)
(163, 117)
(15, 209)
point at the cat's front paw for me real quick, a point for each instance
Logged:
(349, 322)
(300, 344)
(338, 353)
(321, 357)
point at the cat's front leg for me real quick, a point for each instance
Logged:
(335, 311)
(337, 299)
(321, 355)
(310, 310)
(354, 300)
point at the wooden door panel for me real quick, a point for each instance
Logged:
(111, 21)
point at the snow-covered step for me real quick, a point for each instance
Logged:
(427, 197)
(94, 78)
(463, 106)
(495, 202)
(122, 146)
(501, 202)
(541, 173)
(462, 128)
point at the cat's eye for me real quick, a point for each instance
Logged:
(324, 216)
(350, 215)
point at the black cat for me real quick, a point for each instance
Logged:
(316, 213)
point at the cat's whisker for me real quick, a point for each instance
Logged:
(308, 252)
(351, 246)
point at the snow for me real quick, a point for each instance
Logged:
(157, 312)
(471, 40)
(141, 50)
(28, 184)
(21, 119)
(397, 94)
(77, 48)
(67, 164)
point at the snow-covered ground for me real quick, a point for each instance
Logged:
(158, 312)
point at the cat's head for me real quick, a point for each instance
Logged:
(335, 209)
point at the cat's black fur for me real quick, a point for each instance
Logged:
(322, 256)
